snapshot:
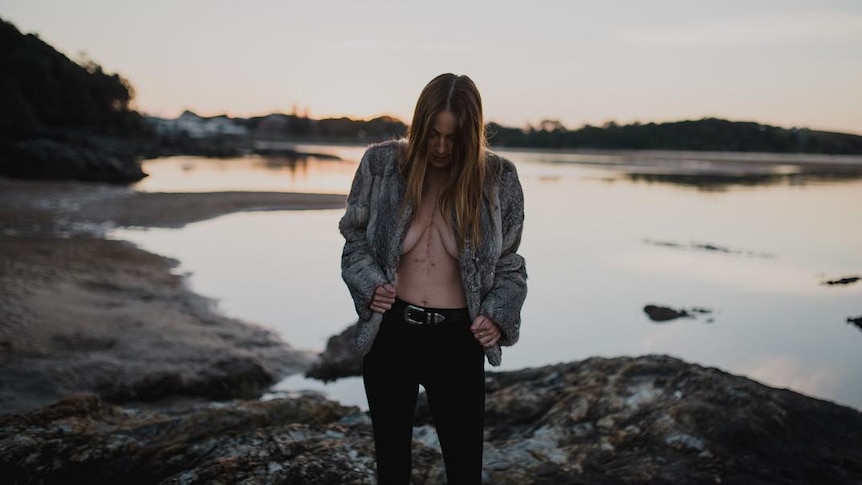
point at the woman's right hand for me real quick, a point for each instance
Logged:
(384, 297)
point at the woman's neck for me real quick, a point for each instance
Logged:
(436, 178)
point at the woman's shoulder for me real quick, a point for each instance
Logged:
(385, 149)
(383, 154)
(505, 178)
(500, 165)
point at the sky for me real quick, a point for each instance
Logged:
(790, 63)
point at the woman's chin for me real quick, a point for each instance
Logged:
(440, 162)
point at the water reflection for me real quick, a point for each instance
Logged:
(696, 246)
(330, 168)
(289, 151)
(709, 171)
(251, 173)
(321, 169)
(279, 162)
(724, 181)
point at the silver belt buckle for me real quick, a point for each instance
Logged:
(431, 318)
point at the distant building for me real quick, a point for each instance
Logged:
(195, 126)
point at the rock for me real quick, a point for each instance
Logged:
(664, 314)
(227, 378)
(656, 419)
(339, 359)
(848, 280)
(650, 419)
(82, 440)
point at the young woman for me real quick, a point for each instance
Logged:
(432, 228)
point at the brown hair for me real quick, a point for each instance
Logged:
(462, 196)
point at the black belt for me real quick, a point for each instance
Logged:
(417, 315)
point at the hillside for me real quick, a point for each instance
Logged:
(43, 90)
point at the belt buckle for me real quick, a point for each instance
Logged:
(431, 318)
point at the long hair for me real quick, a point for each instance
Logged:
(461, 198)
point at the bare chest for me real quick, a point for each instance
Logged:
(429, 235)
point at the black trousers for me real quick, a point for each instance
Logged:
(449, 363)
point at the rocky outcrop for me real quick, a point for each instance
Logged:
(339, 359)
(224, 378)
(650, 419)
(53, 158)
(82, 440)
(663, 314)
(659, 313)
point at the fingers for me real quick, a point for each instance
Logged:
(486, 332)
(380, 307)
(383, 298)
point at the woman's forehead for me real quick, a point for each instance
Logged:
(444, 123)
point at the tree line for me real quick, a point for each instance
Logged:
(708, 134)
(42, 90)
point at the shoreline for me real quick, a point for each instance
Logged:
(81, 313)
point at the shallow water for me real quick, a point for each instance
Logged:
(606, 233)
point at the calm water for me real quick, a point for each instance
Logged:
(605, 234)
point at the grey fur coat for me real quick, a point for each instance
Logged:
(374, 226)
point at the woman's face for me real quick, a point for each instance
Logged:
(441, 139)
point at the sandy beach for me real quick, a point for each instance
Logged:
(79, 312)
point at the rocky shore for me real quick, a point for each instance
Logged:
(113, 371)
(650, 419)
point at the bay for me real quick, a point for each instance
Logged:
(744, 242)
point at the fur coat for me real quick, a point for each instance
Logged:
(374, 227)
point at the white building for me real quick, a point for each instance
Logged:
(196, 127)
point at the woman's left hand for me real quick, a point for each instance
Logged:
(485, 331)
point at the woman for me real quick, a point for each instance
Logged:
(432, 229)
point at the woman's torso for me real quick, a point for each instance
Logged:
(428, 271)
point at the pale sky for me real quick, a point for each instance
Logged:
(781, 62)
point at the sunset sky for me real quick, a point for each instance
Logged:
(782, 62)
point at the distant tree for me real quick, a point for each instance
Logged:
(44, 89)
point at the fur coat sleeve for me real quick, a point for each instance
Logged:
(359, 269)
(494, 274)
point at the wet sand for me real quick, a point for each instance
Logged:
(79, 312)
